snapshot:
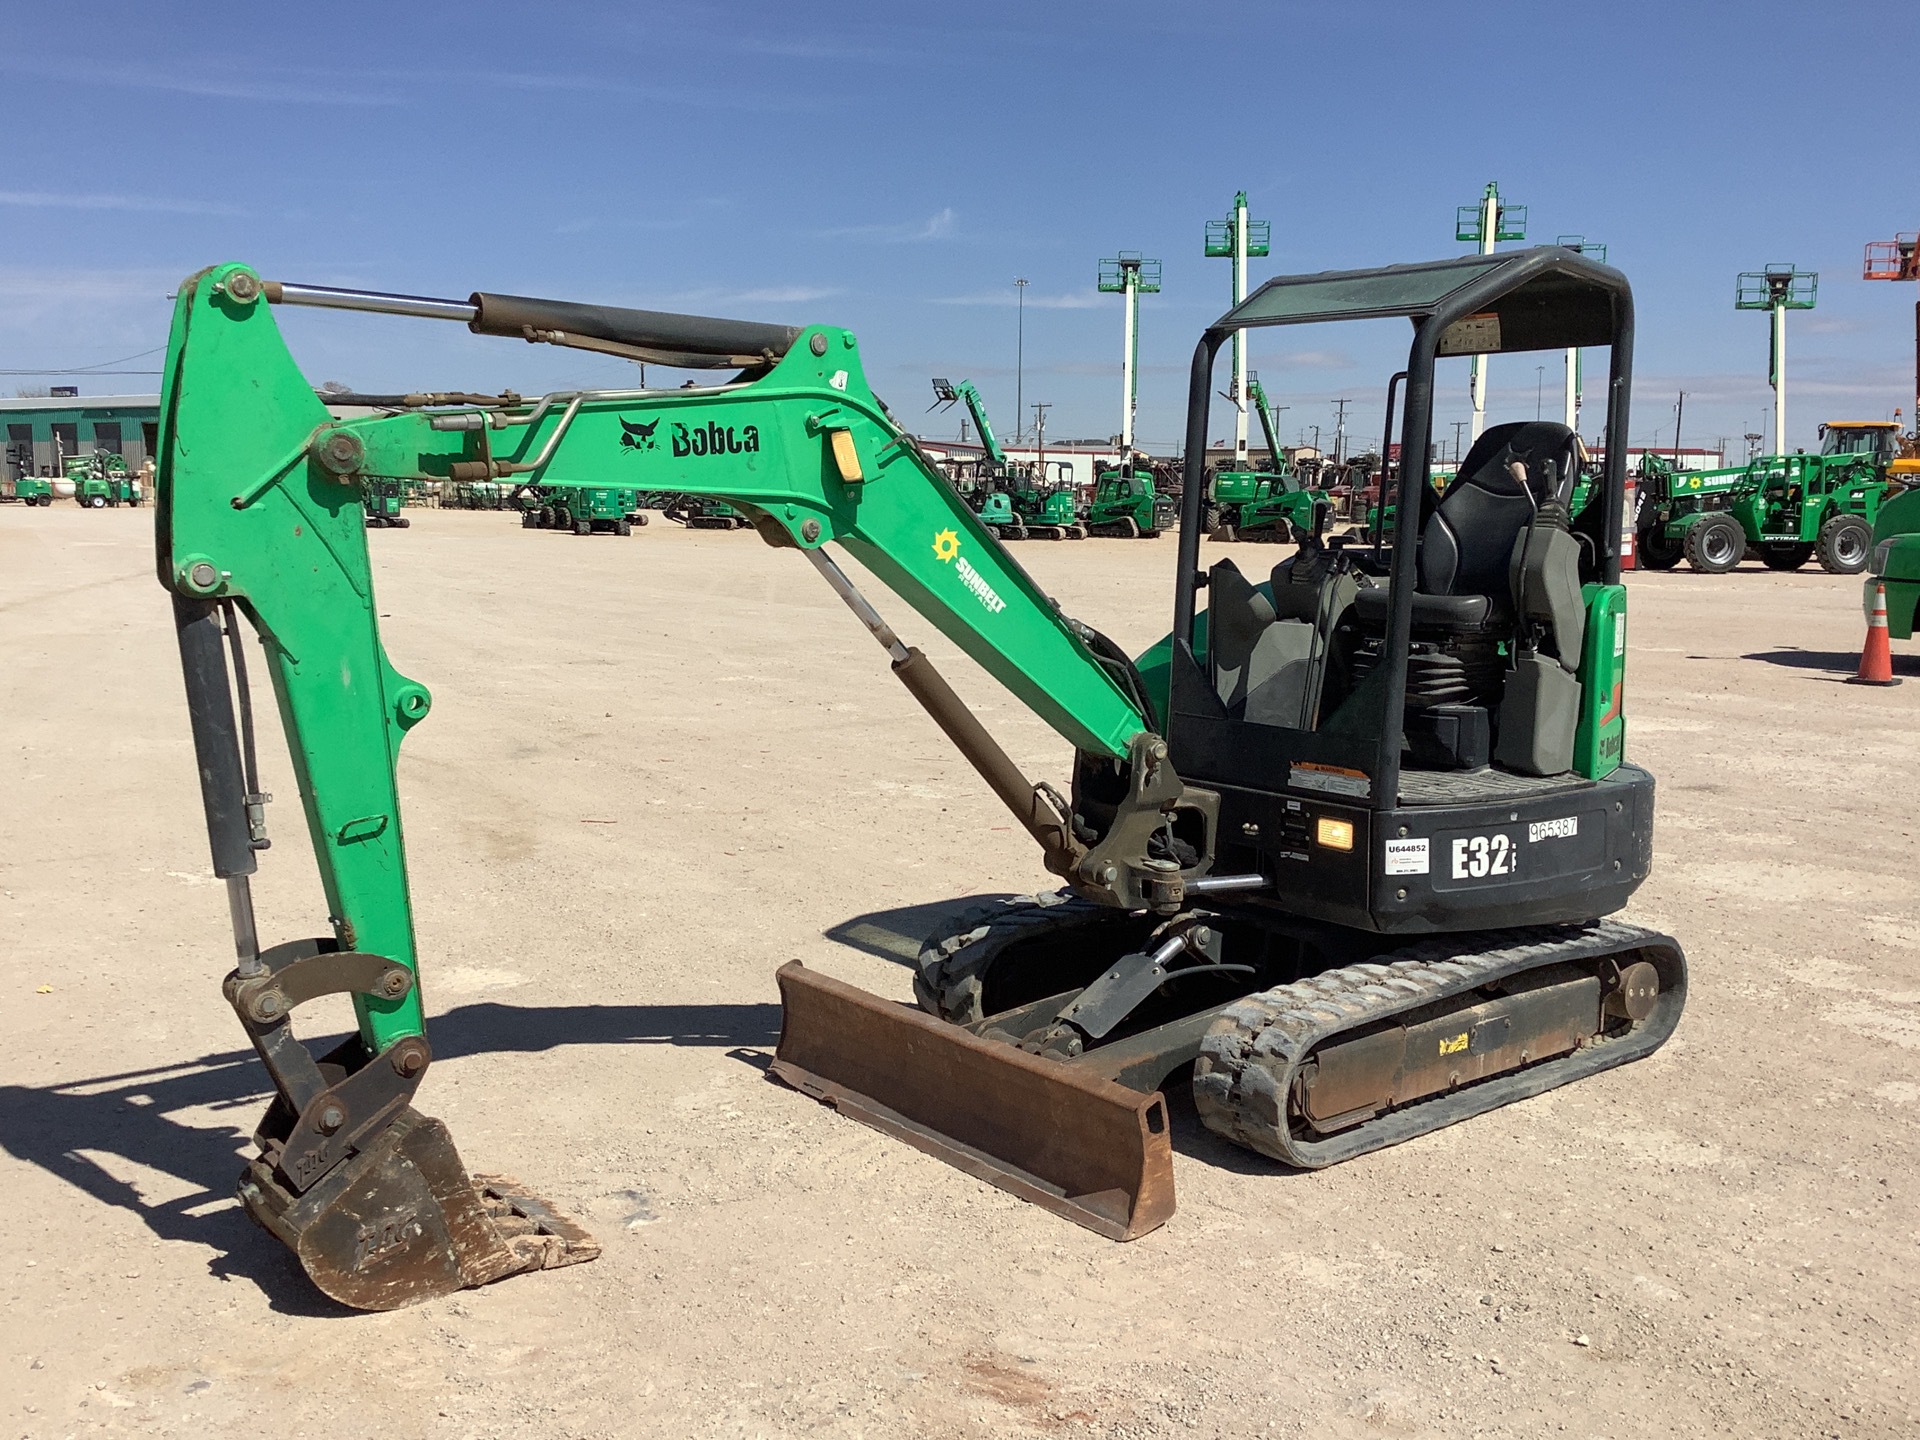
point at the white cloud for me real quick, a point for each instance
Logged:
(938, 226)
(46, 200)
(1080, 300)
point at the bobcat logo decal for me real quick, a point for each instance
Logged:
(638, 437)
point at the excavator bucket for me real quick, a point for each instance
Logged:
(1081, 1145)
(401, 1222)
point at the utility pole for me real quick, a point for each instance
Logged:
(1593, 250)
(1899, 259)
(1340, 431)
(1020, 360)
(1778, 289)
(1458, 426)
(1539, 383)
(1679, 414)
(1237, 238)
(1483, 224)
(1130, 276)
(1040, 408)
(1316, 441)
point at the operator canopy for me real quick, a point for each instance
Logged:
(1546, 298)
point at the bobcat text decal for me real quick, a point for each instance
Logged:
(714, 439)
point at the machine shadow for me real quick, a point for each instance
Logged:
(1833, 662)
(90, 1132)
(898, 934)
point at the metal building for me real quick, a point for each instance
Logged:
(42, 432)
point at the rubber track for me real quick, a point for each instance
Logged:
(952, 963)
(1250, 1055)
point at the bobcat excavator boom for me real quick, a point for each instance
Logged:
(260, 522)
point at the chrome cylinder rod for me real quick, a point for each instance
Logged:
(856, 602)
(246, 938)
(327, 298)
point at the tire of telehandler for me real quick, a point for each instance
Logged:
(1716, 545)
(1654, 551)
(1785, 556)
(623, 527)
(1843, 545)
(583, 527)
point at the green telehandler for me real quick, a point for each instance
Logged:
(1340, 845)
(1788, 508)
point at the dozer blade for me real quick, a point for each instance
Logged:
(1083, 1146)
(401, 1222)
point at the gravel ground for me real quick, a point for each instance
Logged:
(659, 767)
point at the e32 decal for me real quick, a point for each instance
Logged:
(1476, 857)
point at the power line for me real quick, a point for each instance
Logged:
(97, 368)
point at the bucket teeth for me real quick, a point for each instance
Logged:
(402, 1222)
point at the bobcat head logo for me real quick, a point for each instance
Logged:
(638, 437)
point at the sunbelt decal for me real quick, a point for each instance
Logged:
(946, 547)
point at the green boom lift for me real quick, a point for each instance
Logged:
(1341, 843)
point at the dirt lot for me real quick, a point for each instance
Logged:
(659, 767)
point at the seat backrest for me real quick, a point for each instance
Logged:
(1467, 543)
(1236, 614)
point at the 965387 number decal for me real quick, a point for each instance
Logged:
(1475, 857)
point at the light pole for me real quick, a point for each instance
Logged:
(1236, 238)
(1778, 288)
(1539, 384)
(1593, 250)
(1483, 224)
(1019, 359)
(1130, 276)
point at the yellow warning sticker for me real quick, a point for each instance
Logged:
(1453, 1045)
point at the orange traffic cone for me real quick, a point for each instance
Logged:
(1876, 656)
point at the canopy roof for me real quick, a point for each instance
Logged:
(1540, 298)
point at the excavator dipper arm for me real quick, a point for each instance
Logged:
(260, 518)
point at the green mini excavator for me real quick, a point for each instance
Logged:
(1340, 848)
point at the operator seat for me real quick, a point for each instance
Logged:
(1467, 543)
(1496, 563)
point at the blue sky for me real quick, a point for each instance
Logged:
(893, 168)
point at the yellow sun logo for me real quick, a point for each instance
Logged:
(946, 545)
